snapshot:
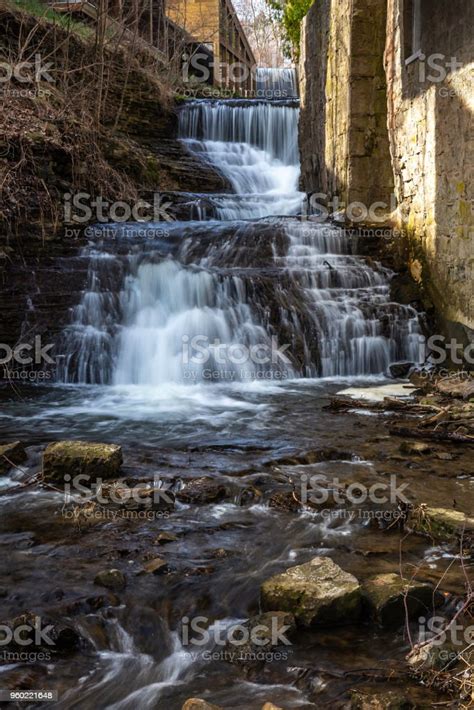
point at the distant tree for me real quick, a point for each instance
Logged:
(289, 14)
(263, 31)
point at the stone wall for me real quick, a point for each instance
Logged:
(343, 125)
(432, 146)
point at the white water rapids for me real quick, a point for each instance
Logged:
(151, 319)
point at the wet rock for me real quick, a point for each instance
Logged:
(81, 457)
(155, 566)
(11, 455)
(389, 700)
(442, 524)
(271, 706)
(400, 370)
(198, 704)
(112, 579)
(285, 500)
(264, 632)
(411, 448)
(249, 496)
(201, 490)
(164, 537)
(388, 599)
(317, 592)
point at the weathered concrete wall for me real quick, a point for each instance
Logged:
(343, 124)
(432, 146)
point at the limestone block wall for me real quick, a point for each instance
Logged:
(343, 124)
(431, 130)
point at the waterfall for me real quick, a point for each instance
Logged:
(255, 145)
(360, 331)
(247, 296)
(277, 82)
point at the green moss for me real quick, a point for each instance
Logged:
(290, 15)
(39, 9)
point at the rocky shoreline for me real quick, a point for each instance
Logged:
(318, 594)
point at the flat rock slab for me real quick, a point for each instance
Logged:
(81, 457)
(377, 393)
(317, 592)
(389, 599)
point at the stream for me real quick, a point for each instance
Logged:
(209, 348)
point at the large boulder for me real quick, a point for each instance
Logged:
(81, 457)
(389, 599)
(11, 455)
(317, 592)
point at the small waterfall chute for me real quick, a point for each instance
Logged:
(277, 82)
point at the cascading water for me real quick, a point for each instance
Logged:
(244, 281)
(255, 145)
(277, 82)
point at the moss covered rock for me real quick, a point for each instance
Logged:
(81, 457)
(442, 524)
(318, 592)
(388, 599)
